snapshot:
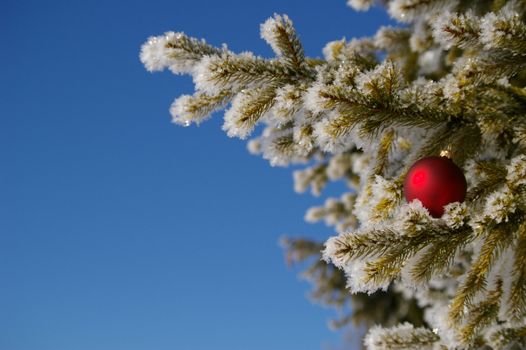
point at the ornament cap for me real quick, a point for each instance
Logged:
(446, 153)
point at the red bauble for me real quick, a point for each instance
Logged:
(436, 182)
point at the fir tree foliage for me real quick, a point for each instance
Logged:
(451, 76)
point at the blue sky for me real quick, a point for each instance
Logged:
(120, 230)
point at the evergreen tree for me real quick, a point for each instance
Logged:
(450, 78)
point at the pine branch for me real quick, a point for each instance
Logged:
(439, 256)
(335, 212)
(505, 338)
(247, 108)
(239, 72)
(492, 175)
(402, 337)
(281, 35)
(197, 108)
(373, 113)
(461, 29)
(329, 288)
(464, 139)
(187, 48)
(408, 10)
(517, 297)
(384, 207)
(176, 51)
(439, 245)
(314, 177)
(497, 238)
(505, 31)
(388, 251)
(482, 314)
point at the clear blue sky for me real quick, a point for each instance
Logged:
(120, 230)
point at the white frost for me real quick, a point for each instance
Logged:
(403, 336)
(517, 171)
(154, 54)
(500, 204)
(269, 31)
(455, 214)
(360, 5)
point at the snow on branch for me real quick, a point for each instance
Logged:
(402, 337)
(279, 33)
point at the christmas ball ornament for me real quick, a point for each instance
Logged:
(436, 182)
